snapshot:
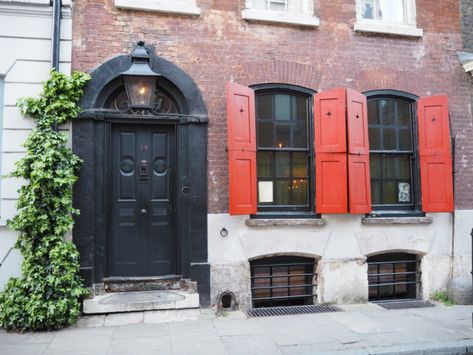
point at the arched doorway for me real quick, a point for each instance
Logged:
(142, 190)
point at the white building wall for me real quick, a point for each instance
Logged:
(340, 247)
(25, 55)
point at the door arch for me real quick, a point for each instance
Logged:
(183, 120)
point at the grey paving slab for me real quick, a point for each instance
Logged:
(123, 318)
(149, 345)
(91, 321)
(318, 348)
(26, 338)
(81, 339)
(237, 327)
(210, 347)
(250, 345)
(140, 331)
(22, 349)
(434, 348)
(192, 329)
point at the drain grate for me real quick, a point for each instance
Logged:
(404, 304)
(291, 310)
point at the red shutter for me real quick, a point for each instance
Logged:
(241, 149)
(330, 151)
(435, 154)
(359, 185)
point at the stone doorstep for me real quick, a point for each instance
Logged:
(140, 301)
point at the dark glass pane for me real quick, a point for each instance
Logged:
(373, 114)
(282, 107)
(283, 192)
(404, 113)
(299, 164)
(390, 135)
(390, 192)
(388, 111)
(375, 138)
(376, 192)
(301, 108)
(375, 166)
(283, 136)
(390, 168)
(404, 166)
(300, 136)
(265, 134)
(283, 164)
(264, 104)
(299, 192)
(405, 141)
(265, 164)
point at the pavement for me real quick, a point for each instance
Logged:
(357, 329)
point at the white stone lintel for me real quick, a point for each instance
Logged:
(400, 30)
(182, 7)
(280, 17)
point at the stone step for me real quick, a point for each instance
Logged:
(140, 301)
(127, 284)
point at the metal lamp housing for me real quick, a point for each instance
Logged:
(140, 81)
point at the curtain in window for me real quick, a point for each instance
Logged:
(391, 11)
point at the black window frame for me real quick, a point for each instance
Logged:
(386, 210)
(290, 211)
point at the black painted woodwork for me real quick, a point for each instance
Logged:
(92, 141)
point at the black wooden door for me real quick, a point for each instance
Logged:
(142, 228)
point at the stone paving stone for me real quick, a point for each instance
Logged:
(211, 347)
(237, 327)
(318, 348)
(192, 329)
(22, 349)
(26, 338)
(171, 316)
(140, 331)
(148, 346)
(91, 321)
(442, 348)
(95, 352)
(123, 318)
(250, 344)
(360, 323)
(81, 339)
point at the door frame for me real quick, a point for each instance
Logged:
(174, 198)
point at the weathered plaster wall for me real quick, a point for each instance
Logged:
(25, 47)
(340, 247)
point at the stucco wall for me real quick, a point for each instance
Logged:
(25, 47)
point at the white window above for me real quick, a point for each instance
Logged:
(297, 12)
(387, 16)
(182, 7)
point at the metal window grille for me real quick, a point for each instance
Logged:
(277, 282)
(393, 277)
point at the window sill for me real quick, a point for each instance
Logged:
(396, 220)
(280, 17)
(265, 222)
(408, 31)
(188, 7)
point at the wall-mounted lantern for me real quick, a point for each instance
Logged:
(140, 80)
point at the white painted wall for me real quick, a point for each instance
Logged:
(25, 47)
(341, 248)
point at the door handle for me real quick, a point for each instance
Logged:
(143, 211)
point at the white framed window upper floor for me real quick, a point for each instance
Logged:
(295, 12)
(181, 7)
(396, 17)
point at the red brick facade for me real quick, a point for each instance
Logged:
(219, 46)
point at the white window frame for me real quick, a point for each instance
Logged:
(409, 28)
(2, 82)
(181, 7)
(305, 18)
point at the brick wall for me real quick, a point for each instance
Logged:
(219, 46)
(467, 24)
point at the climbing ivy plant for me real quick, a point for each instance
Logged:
(47, 294)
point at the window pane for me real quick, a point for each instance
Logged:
(375, 166)
(390, 139)
(404, 167)
(282, 107)
(265, 164)
(389, 192)
(301, 109)
(264, 104)
(278, 5)
(373, 114)
(375, 138)
(259, 4)
(391, 11)
(300, 136)
(283, 166)
(404, 113)
(367, 9)
(283, 136)
(265, 134)
(405, 141)
(283, 192)
(388, 111)
(376, 192)
(299, 164)
(299, 192)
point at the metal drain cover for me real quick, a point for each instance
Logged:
(291, 310)
(405, 304)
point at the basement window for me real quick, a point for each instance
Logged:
(393, 276)
(283, 281)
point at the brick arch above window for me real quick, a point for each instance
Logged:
(278, 71)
